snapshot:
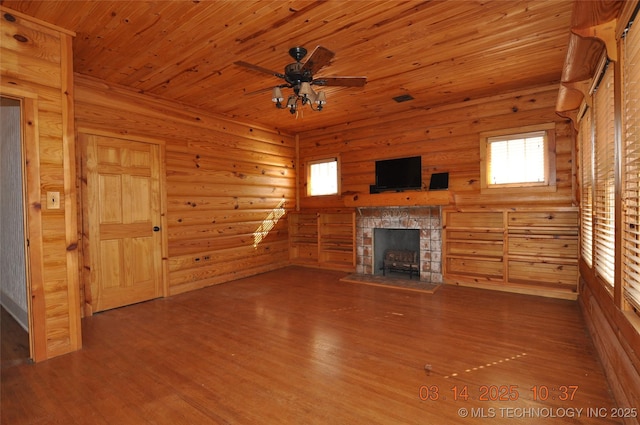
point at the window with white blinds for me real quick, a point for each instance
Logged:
(631, 169)
(586, 179)
(517, 158)
(322, 177)
(604, 180)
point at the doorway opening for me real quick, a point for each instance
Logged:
(13, 259)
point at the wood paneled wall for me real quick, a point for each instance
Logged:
(36, 68)
(228, 184)
(448, 138)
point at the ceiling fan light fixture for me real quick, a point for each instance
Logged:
(305, 90)
(291, 102)
(299, 77)
(321, 99)
(276, 95)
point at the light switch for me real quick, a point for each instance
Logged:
(53, 200)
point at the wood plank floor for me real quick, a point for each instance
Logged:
(14, 340)
(297, 346)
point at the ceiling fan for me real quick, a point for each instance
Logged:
(300, 77)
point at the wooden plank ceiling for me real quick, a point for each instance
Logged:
(438, 52)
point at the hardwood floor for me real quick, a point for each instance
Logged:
(297, 346)
(14, 340)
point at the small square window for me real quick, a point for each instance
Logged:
(516, 159)
(524, 158)
(322, 177)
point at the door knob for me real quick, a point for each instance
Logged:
(156, 228)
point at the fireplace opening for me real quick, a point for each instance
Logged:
(396, 239)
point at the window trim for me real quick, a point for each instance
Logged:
(319, 160)
(550, 160)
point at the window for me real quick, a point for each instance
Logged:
(631, 170)
(523, 157)
(586, 192)
(322, 176)
(604, 181)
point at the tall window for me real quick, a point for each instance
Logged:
(322, 176)
(631, 169)
(521, 157)
(604, 180)
(586, 179)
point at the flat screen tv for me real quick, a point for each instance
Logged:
(398, 174)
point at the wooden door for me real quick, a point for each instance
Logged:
(122, 207)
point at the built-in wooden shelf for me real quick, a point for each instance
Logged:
(531, 250)
(323, 239)
(408, 198)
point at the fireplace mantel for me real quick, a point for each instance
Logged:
(402, 199)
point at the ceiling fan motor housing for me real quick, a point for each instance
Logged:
(295, 74)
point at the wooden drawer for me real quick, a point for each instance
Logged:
(474, 235)
(562, 247)
(475, 248)
(549, 273)
(474, 219)
(543, 219)
(475, 267)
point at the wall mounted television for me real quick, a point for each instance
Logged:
(398, 174)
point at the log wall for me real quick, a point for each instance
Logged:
(36, 68)
(228, 185)
(448, 138)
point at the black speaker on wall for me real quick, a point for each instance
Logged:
(439, 181)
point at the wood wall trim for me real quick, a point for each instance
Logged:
(70, 201)
(594, 29)
(40, 22)
(31, 172)
(408, 198)
(606, 33)
(52, 232)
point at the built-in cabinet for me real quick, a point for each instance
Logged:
(529, 251)
(303, 238)
(323, 239)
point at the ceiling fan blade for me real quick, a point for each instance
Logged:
(320, 57)
(265, 89)
(258, 68)
(341, 81)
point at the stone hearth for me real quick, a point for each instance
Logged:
(426, 219)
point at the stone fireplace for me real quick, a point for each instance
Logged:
(427, 220)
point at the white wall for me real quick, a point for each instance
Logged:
(13, 287)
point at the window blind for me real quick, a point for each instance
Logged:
(586, 200)
(517, 158)
(631, 168)
(323, 177)
(603, 185)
